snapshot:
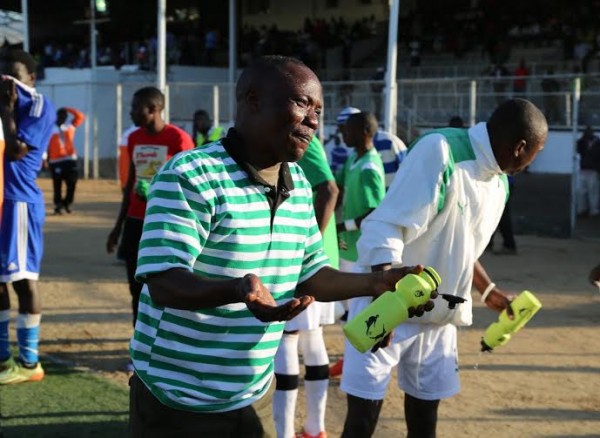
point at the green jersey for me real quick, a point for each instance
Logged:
(363, 181)
(316, 168)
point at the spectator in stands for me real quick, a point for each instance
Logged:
(588, 148)
(377, 89)
(415, 52)
(203, 130)
(62, 157)
(499, 72)
(520, 81)
(551, 86)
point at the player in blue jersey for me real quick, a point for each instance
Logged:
(27, 120)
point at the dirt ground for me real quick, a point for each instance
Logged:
(544, 383)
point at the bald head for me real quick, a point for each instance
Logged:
(263, 71)
(517, 131)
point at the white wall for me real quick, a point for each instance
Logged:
(557, 155)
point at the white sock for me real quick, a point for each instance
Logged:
(314, 354)
(284, 402)
(316, 401)
(284, 412)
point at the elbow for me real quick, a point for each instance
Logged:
(333, 191)
(157, 293)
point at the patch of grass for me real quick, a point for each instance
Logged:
(67, 403)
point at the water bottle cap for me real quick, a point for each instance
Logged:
(433, 275)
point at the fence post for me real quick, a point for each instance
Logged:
(119, 125)
(95, 158)
(215, 105)
(575, 170)
(473, 104)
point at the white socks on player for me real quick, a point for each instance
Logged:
(287, 369)
(316, 380)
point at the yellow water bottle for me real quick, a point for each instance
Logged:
(390, 309)
(498, 333)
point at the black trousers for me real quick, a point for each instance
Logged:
(130, 242)
(149, 418)
(67, 172)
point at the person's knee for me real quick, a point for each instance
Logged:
(27, 293)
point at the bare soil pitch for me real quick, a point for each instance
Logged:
(544, 383)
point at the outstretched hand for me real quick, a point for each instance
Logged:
(261, 303)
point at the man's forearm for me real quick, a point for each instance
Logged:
(181, 289)
(325, 202)
(15, 148)
(481, 280)
(332, 285)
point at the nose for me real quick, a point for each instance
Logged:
(312, 119)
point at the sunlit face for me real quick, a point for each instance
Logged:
(288, 111)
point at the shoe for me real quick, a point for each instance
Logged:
(303, 434)
(506, 251)
(67, 209)
(335, 370)
(58, 211)
(6, 364)
(19, 374)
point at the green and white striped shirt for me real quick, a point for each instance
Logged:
(205, 214)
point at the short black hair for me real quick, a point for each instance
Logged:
(201, 112)
(261, 70)
(16, 55)
(456, 122)
(515, 120)
(151, 96)
(367, 122)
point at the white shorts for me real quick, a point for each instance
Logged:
(426, 354)
(315, 315)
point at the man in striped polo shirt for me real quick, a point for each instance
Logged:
(230, 245)
(442, 208)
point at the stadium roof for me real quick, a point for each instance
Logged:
(11, 27)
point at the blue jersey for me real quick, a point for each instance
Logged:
(35, 117)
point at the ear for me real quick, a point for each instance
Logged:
(253, 100)
(520, 148)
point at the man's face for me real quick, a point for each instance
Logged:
(521, 157)
(202, 122)
(18, 70)
(141, 113)
(61, 117)
(288, 110)
(352, 134)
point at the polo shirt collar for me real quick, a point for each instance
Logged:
(234, 145)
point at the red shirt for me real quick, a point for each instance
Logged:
(148, 152)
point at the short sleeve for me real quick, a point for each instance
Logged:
(176, 225)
